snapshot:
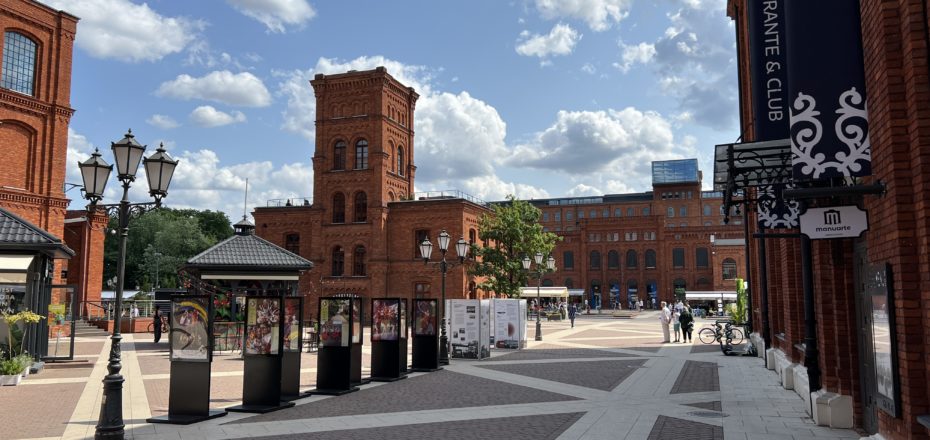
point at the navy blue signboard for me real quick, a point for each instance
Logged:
(829, 127)
(768, 69)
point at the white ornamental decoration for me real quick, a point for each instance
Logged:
(851, 129)
(774, 211)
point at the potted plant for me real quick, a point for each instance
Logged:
(23, 360)
(10, 372)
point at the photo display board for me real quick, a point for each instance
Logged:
(293, 314)
(262, 325)
(403, 319)
(880, 288)
(425, 317)
(190, 328)
(334, 322)
(509, 316)
(385, 320)
(466, 336)
(356, 322)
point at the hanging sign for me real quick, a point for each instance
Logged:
(776, 212)
(829, 126)
(834, 222)
(768, 69)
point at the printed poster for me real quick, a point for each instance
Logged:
(334, 322)
(425, 317)
(262, 326)
(292, 314)
(190, 338)
(384, 320)
(464, 329)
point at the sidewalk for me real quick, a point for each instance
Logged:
(604, 379)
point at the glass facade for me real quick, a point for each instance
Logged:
(675, 171)
(19, 63)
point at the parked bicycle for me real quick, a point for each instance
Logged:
(722, 331)
(164, 325)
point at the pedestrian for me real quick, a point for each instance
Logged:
(676, 325)
(571, 314)
(687, 323)
(156, 320)
(665, 317)
(586, 309)
(135, 311)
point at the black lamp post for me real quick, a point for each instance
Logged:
(159, 168)
(426, 248)
(540, 269)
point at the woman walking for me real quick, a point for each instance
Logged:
(687, 323)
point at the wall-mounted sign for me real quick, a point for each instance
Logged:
(834, 222)
(880, 290)
(769, 69)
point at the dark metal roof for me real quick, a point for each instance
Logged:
(17, 233)
(249, 251)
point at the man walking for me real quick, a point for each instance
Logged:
(156, 319)
(665, 317)
(571, 314)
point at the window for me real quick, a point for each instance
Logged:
(679, 284)
(558, 216)
(629, 212)
(671, 211)
(708, 223)
(361, 155)
(547, 282)
(683, 224)
(606, 213)
(545, 216)
(701, 258)
(618, 212)
(630, 236)
(650, 259)
(707, 210)
(632, 286)
(19, 63)
(569, 284)
(651, 235)
(580, 213)
(358, 261)
(292, 243)
(361, 207)
(568, 259)
(613, 260)
(595, 260)
(339, 156)
(678, 257)
(703, 284)
(593, 213)
(631, 259)
(418, 236)
(339, 208)
(729, 269)
(400, 160)
(421, 290)
(645, 211)
(339, 258)
(568, 215)
(683, 211)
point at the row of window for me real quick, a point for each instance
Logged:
(627, 236)
(361, 156)
(19, 63)
(593, 213)
(701, 260)
(632, 284)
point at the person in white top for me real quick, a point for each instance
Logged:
(676, 325)
(135, 311)
(665, 317)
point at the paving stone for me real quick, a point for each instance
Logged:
(697, 377)
(417, 393)
(706, 348)
(37, 410)
(511, 428)
(602, 374)
(670, 428)
(713, 406)
(557, 353)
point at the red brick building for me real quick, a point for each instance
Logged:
(894, 37)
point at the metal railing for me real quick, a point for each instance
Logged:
(293, 201)
(448, 194)
(105, 309)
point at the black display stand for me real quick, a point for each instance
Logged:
(261, 379)
(425, 335)
(334, 357)
(388, 339)
(189, 386)
(290, 361)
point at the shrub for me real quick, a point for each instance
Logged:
(10, 367)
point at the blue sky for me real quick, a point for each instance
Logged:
(538, 98)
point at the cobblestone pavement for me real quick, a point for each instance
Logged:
(604, 379)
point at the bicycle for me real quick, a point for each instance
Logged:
(164, 325)
(733, 335)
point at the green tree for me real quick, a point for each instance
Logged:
(511, 232)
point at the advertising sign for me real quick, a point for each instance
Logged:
(292, 314)
(384, 320)
(464, 328)
(424, 318)
(56, 314)
(834, 222)
(880, 290)
(507, 323)
(334, 322)
(768, 69)
(262, 326)
(190, 336)
(356, 322)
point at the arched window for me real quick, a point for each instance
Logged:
(702, 258)
(339, 208)
(361, 207)
(671, 211)
(632, 260)
(650, 259)
(292, 243)
(632, 286)
(569, 284)
(339, 259)
(547, 282)
(595, 260)
(391, 196)
(358, 261)
(613, 260)
(339, 156)
(679, 283)
(19, 63)
(729, 269)
(568, 259)
(361, 155)
(678, 258)
(400, 160)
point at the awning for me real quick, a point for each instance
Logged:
(575, 292)
(710, 295)
(544, 292)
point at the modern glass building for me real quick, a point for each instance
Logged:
(675, 171)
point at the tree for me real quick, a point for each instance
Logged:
(511, 232)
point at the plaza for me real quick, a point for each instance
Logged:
(607, 378)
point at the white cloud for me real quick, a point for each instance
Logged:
(598, 14)
(582, 189)
(561, 40)
(492, 188)
(126, 31)
(241, 89)
(276, 14)
(207, 116)
(641, 53)
(163, 122)
(589, 68)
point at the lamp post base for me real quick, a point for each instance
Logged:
(538, 329)
(443, 349)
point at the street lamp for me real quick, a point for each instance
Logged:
(426, 249)
(159, 168)
(157, 283)
(540, 269)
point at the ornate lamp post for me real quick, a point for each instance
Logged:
(159, 168)
(540, 269)
(426, 248)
